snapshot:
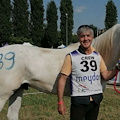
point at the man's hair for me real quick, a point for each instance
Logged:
(84, 28)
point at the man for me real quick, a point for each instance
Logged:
(86, 67)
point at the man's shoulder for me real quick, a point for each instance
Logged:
(74, 52)
(94, 51)
(92, 48)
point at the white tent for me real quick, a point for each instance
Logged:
(61, 46)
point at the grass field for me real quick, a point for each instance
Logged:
(44, 107)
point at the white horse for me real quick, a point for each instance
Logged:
(39, 67)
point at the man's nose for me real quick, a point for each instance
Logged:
(85, 37)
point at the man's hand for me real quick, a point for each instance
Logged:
(118, 65)
(61, 109)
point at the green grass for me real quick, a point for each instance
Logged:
(110, 106)
(44, 107)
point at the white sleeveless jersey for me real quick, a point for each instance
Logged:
(85, 76)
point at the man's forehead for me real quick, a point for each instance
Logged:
(85, 33)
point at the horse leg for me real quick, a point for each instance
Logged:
(15, 104)
(3, 101)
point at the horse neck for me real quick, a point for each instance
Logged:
(72, 47)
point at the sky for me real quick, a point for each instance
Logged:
(87, 12)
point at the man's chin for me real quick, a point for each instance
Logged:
(86, 46)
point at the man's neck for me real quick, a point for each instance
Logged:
(86, 50)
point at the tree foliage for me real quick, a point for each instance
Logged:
(19, 40)
(37, 14)
(51, 16)
(66, 10)
(20, 15)
(111, 15)
(5, 24)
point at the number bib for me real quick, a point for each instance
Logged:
(85, 77)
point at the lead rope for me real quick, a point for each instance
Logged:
(115, 82)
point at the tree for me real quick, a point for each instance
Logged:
(5, 24)
(111, 15)
(66, 25)
(20, 18)
(19, 40)
(51, 16)
(37, 14)
(74, 38)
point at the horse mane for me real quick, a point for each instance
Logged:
(104, 43)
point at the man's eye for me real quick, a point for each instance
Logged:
(82, 36)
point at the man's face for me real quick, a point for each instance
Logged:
(85, 39)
